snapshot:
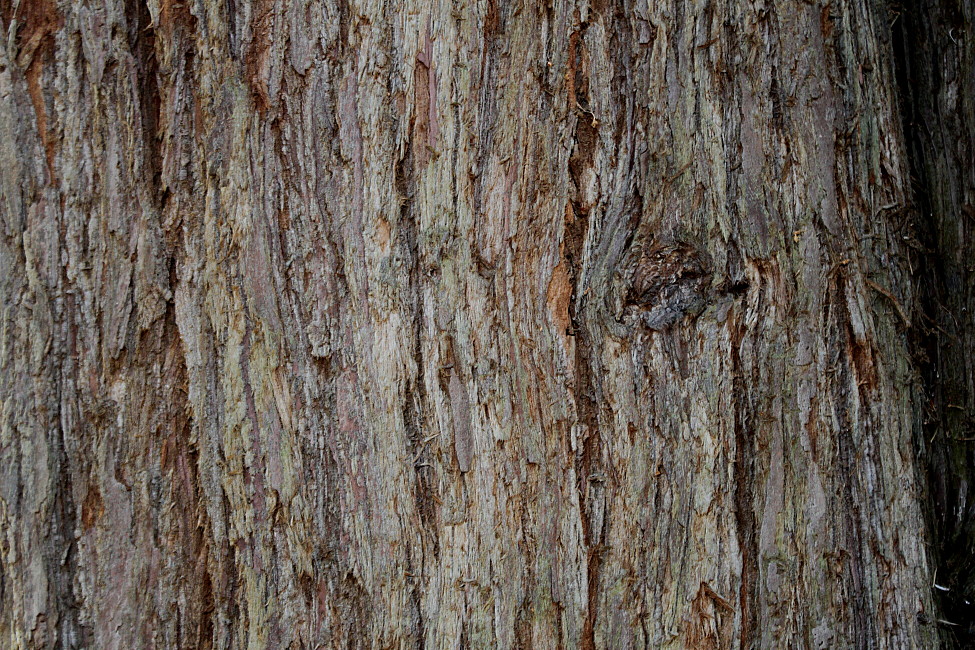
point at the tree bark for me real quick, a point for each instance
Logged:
(938, 82)
(484, 323)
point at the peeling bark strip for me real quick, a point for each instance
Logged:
(491, 324)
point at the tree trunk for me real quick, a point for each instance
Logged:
(483, 324)
(938, 81)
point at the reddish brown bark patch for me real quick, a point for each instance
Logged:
(426, 129)
(709, 623)
(175, 11)
(255, 59)
(92, 508)
(37, 22)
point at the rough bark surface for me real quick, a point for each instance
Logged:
(937, 57)
(491, 323)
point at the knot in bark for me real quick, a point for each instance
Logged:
(669, 282)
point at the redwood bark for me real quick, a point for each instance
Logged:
(493, 323)
(936, 60)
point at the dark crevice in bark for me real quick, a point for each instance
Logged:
(421, 143)
(180, 458)
(204, 634)
(142, 45)
(255, 58)
(744, 496)
(230, 583)
(353, 613)
(493, 67)
(3, 590)
(60, 549)
(416, 602)
(61, 553)
(231, 9)
(425, 481)
(860, 624)
(929, 41)
(345, 18)
(416, 402)
(589, 458)
(523, 624)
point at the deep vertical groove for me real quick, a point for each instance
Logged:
(744, 497)
(588, 458)
(62, 553)
(850, 501)
(933, 61)
(142, 45)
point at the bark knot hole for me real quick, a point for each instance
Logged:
(669, 282)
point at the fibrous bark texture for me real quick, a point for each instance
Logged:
(475, 323)
(937, 65)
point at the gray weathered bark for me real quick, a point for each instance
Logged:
(338, 323)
